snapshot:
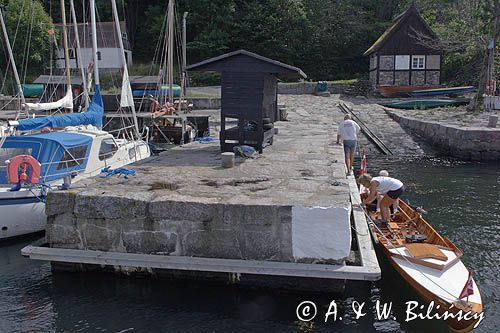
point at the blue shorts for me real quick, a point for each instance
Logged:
(349, 146)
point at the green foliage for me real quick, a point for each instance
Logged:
(27, 26)
(325, 38)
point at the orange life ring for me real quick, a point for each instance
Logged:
(23, 161)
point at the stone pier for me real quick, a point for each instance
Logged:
(470, 142)
(290, 204)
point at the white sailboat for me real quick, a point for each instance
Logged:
(76, 148)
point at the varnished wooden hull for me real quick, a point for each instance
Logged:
(451, 274)
(455, 325)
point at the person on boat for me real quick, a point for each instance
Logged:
(348, 130)
(390, 188)
(159, 110)
(394, 207)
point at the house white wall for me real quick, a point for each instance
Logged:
(110, 58)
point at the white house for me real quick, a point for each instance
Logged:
(108, 49)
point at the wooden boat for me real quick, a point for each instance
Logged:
(430, 263)
(424, 104)
(400, 91)
(441, 91)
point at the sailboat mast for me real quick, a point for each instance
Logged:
(184, 62)
(66, 46)
(124, 60)
(78, 53)
(170, 54)
(11, 57)
(94, 43)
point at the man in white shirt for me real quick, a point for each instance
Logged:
(348, 131)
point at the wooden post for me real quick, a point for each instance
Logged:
(492, 121)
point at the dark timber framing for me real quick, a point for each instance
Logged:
(400, 40)
(248, 96)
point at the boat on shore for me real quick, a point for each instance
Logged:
(424, 104)
(430, 264)
(401, 91)
(442, 91)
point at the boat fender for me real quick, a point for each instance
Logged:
(21, 163)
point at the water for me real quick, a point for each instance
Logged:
(462, 203)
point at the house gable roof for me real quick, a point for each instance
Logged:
(235, 61)
(399, 21)
(107, 36)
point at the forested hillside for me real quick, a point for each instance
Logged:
(326, 38)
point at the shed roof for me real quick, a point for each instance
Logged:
(145, 79)
(61, 79)
(398, 22)
(245, 61)
(57, 79)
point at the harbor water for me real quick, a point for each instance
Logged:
(462, 203)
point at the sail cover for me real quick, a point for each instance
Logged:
(66, 102)
(93, 116)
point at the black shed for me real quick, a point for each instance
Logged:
(249, 96)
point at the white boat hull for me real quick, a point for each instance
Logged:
(21, 215)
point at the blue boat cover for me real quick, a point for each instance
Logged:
(93, 116)
(59, 153)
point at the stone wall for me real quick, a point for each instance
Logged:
(417, 78)
(402, 78)
(139, 222)
(476, 144)
(362, 87)
(386, 78)
(386, 63)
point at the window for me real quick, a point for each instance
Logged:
(7, 153)
(132, 153)
(98, 55)
(72, 157)
(71, 53)
(108, 149)
(418, 62)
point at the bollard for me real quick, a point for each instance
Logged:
(227, 160)
(492, 121)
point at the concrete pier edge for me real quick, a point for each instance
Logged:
(128, 263)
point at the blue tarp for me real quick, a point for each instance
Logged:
(49, 149)
(93, 116)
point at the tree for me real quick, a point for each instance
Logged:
(28, 28)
